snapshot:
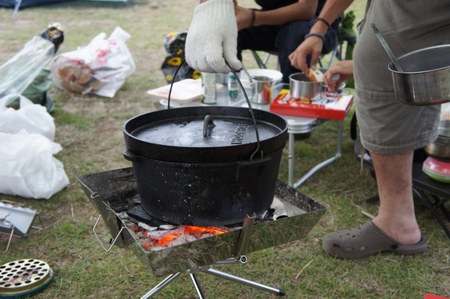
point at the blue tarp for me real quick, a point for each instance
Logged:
(26, 3)
(18, 4)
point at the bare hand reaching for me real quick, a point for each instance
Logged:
(342, 70)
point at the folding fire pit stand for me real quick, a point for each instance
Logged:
(8, 229)
(113, 193)
(16, 220)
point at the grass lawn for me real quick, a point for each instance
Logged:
(89, 129)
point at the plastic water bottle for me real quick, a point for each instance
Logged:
(209, 88)
(233, 86)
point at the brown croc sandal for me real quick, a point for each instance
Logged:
(365, 241)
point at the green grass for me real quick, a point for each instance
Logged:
(89, 128)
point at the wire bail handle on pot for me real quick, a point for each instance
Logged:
(208, 123)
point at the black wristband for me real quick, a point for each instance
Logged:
(316, 35)
(323, 20)
(253, 18)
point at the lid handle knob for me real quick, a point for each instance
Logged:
(208, 126)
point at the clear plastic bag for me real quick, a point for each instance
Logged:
(99, 68)
(19, 71)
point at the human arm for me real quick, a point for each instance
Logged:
(338, 73)
(234, 2)
(211, 41)
(312, 46)
(301, 10)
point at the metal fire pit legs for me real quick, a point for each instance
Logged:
(161, 285)
(246, 282)
(214, 272)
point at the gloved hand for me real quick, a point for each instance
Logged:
(212, 38)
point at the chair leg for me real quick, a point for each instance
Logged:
(262, 63)
(259, 61)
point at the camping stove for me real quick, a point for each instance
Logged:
(113, 193)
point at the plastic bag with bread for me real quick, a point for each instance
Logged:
(99, 68)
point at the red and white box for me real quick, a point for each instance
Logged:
(335, 109)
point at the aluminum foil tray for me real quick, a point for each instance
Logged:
(114, 190)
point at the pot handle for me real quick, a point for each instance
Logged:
(255, 162)
(130, 156)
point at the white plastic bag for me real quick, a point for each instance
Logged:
(99, 68)
(27, 166)
(33, 118)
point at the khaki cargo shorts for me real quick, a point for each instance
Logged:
(386, 125)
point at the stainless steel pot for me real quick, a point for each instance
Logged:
(440, 148)
(425, 79)
(302, 87)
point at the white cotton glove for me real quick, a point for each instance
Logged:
(212, 38)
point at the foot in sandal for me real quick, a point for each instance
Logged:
(365, 241)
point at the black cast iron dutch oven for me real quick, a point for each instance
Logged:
(205, 165)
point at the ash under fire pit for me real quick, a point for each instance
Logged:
(114, 195)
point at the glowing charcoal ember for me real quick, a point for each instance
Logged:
(152, 238)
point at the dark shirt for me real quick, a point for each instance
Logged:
(273, 4)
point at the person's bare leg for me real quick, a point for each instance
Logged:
(396, 215)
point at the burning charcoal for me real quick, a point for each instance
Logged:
(167, 226)
(134, 228)
(140, 234)
(199, 231)
(183, 240)
(159, 234)
(147, 227)
(146, 245)
(190, 238)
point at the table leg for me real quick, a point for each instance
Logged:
(291, 159)
(322, 164)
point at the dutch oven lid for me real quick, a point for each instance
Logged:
(200, 131)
